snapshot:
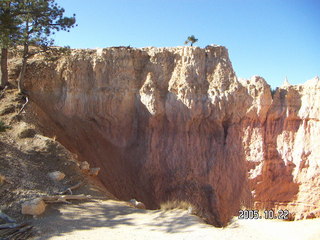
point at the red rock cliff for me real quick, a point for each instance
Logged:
(175, 123)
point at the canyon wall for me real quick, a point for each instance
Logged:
(176, 124)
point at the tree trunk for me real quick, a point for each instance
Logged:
(4, 67)
(23, 68)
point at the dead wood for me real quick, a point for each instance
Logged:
(10, 225)
(64, 198)
(3, 91)
(20, 232)
(23, 106)
(69, 189)
(6, 218)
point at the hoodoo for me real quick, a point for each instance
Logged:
(176, 124)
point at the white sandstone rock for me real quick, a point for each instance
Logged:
(85, 166)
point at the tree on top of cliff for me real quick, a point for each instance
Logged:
(191, 39)
(34, 22)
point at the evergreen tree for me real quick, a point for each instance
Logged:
(191, 39)
(9, 32)
(34, 22)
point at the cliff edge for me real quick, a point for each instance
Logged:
(176, 124)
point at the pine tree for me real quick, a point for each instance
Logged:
(191, 39)
(9, 30)
(34, 23)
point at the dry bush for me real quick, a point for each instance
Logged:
(3, 126)
(175, 204)
(184, 205)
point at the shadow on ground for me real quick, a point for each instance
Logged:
(62, 219)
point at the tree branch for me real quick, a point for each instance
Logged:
(65, 198)
(69, 189)
(6, 218)
(27, 100)
(3, 91)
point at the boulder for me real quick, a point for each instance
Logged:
(34, 207)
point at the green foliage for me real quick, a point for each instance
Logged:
(191, 39)
(66, 50)
(9, 23)
(41, 19)
(3, 126)
(55, 53)
(32, 22)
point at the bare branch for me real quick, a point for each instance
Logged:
(64, 198)
(6, 218)
(27, 100)
(3, 91)
(69, 189)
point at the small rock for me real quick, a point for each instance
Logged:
(137, 204)
(94, 171)
(140, 205)
(74, 155)
(34, 207)
(56, 176)
(85, 166)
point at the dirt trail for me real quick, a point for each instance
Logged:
(26, 158)
(115, 220)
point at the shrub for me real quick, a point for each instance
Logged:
(169, 205)
(191, 39)
(3, 126)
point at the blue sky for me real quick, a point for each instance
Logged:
(270, 38)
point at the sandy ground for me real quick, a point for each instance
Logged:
(115, 220)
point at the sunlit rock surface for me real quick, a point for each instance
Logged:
(176, 124)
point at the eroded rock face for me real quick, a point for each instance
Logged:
(176, 124)
(287, 175)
